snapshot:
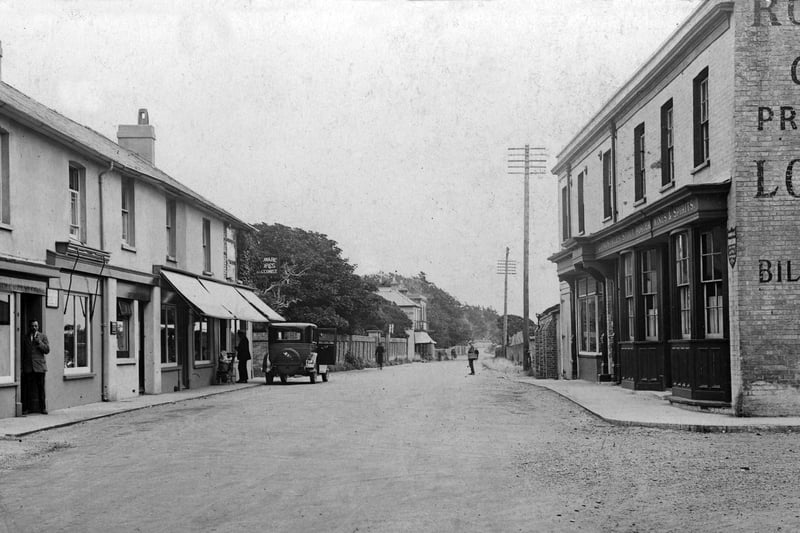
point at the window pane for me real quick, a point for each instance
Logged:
(200, 330)
(169, 340)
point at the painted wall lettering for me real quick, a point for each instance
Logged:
(790, 188)
(788, 115)
(765, 7)
(775, 272)
(794, 70)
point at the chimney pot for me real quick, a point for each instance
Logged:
(144, 118)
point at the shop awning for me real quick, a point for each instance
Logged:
(422, 337)
(219, 300)
(259, 304)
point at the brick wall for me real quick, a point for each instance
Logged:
(764, 301)
(544, 349)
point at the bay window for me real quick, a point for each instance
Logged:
(711, 265)
(683, 284)
(630, 304)
(649, 284)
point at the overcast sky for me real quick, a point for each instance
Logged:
(382, 124)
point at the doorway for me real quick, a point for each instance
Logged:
(30, 309)
(140, 325)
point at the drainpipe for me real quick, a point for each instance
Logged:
(103, 325)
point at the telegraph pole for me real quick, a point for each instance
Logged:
(526, 166)
(506, 267)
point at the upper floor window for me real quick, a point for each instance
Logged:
(206, 245)
(77, 203)
(230, 253)
(565, 229)
(5, 204)
(701, 127)
(608, 191)
(667, 145)
(639, 161)
(127, 205)
(580, 203)
(171, 230)
(711, 268)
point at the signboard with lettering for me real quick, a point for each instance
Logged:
(269, 266)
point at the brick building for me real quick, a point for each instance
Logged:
(686, 275)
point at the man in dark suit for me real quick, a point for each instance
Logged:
(34, 364)
(243, 354)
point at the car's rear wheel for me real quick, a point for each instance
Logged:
(284, 378)
(325, 377)
(312, 377)
(269, 376)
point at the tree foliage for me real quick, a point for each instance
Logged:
(516, 324)
(313, 283)
(449, 321)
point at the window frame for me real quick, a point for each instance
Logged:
(125, 311)
(683, 284)
(713, 283)
(70, 304)
(7, 320)
(205, 340)
(608, 192)
(649, 293)
(566, 230)
(171, 229)
(77, 202)
(166, 311)
(639, 170)
(231, 253)
(581, 221)
(206, 246)
(588, 300)
(128, 211)
(629, 293)
(667, 143)
(701, 111)
(5, 178)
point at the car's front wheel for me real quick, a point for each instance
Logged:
(284, 378)
(312, 377)
(325, 377)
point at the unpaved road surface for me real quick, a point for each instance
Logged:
(420, 447)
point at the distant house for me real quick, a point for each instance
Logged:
(131, 274)
(416, 308)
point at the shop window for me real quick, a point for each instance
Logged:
(639, 162)
(206, 245)
(580, 203)
(649, 284)
(202, 352)
(171, 230)
(128, 213)
(701, 118)
(630, 303)
(667, 145)
(5, 169)
(683, 284)
(124, 313)
(169, 335)
(588, 301)
(77, 203)
(565, 229)
(77, 334)
(711, 265)
(608, 185)
(6, 338)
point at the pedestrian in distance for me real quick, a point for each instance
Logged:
(472, 354)
(243, 354)
(379, 355)
(34, 365)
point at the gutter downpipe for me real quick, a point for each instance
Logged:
(103, 344)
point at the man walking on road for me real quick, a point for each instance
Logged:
(472, 354)
(34, 365)
(379, 355)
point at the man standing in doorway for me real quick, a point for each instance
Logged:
(34, 364)
(243, 354)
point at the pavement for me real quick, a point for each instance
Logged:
(609, 402)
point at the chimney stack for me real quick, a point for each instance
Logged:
(139, 138)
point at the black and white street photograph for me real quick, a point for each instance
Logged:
(399, 266)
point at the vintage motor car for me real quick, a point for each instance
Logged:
(299, 349)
